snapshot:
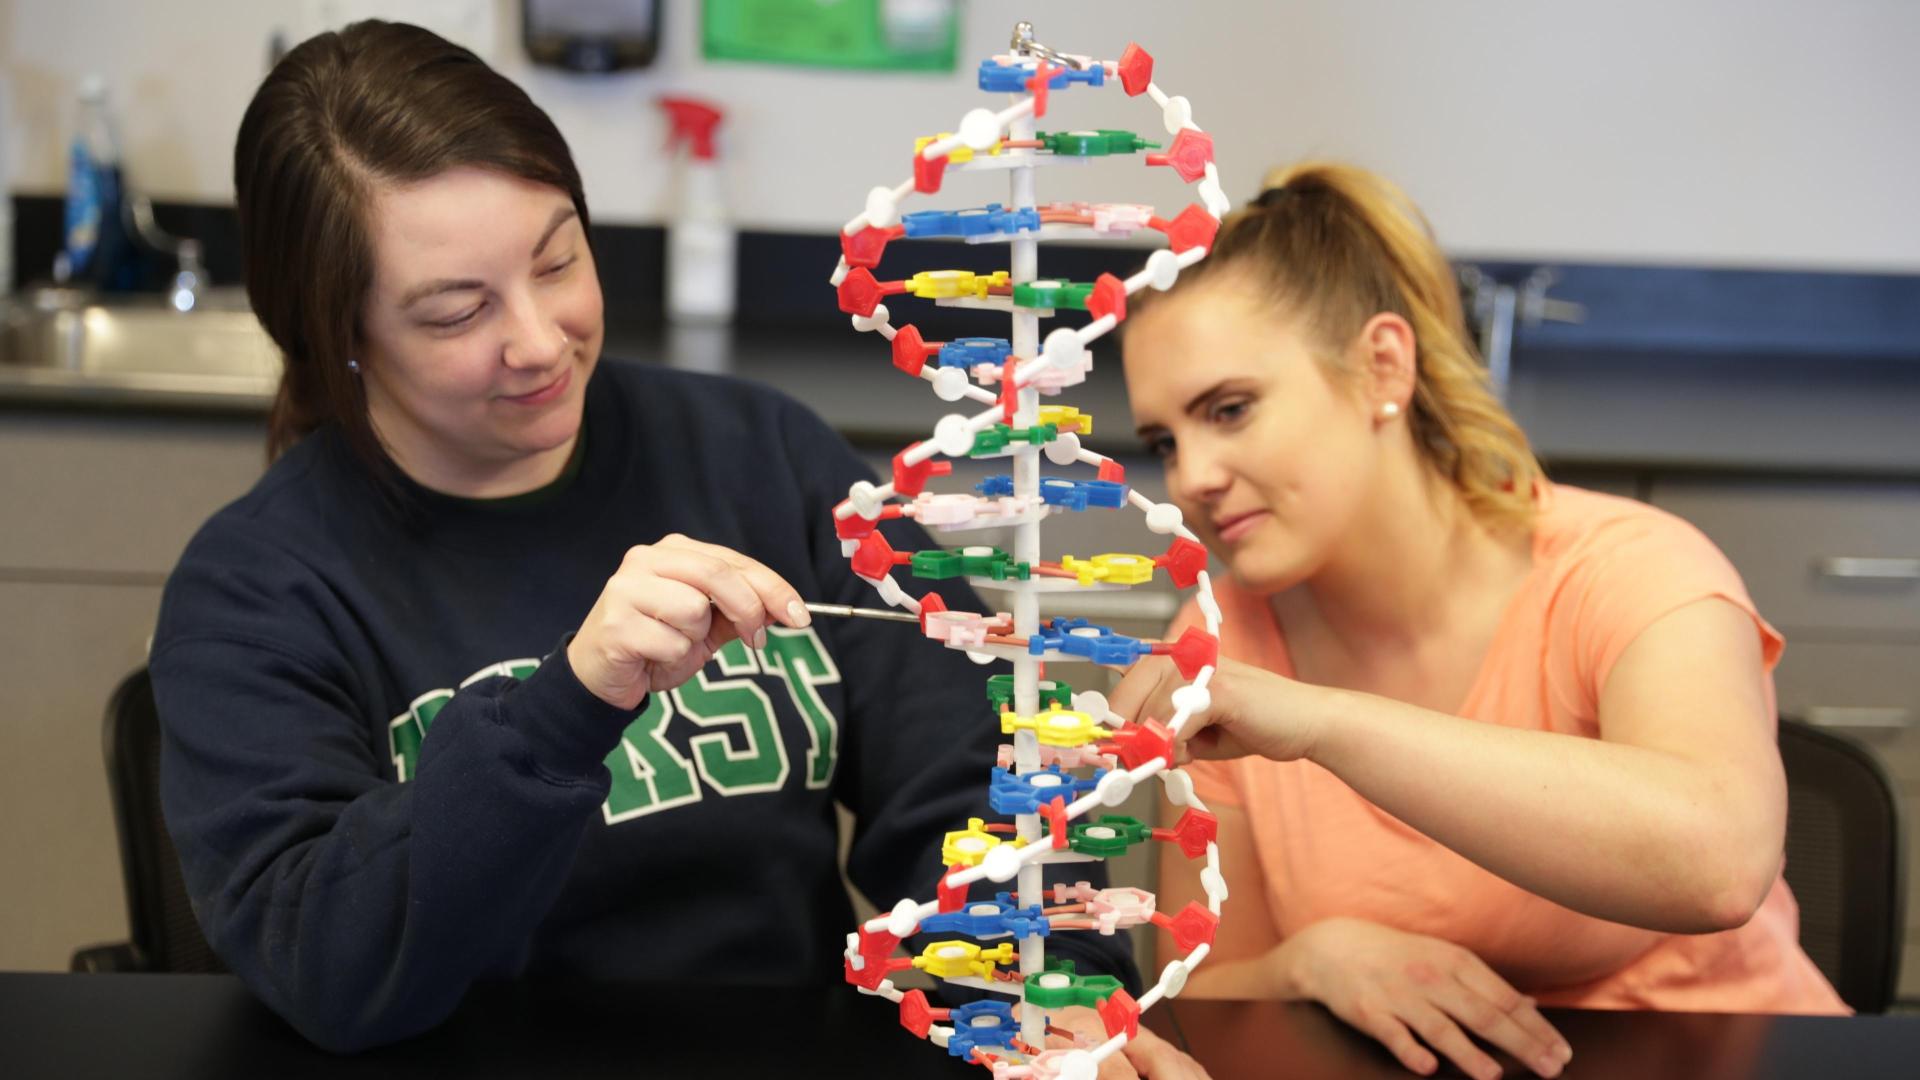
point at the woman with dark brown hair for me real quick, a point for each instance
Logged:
(380, 791)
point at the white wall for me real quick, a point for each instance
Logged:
(1727, 132)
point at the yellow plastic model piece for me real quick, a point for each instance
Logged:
(958, 959)
(959, 155)
(1067, 418)
(969, 845)
(951, 284)
(1054, 727)
(1111, 569)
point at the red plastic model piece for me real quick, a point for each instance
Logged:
(1136, 69)
(912, 479)
(1009, 391)
(854, 527)
(876, 946)
(1192, 928)
(951, 897)
(917, 1016)
(860, 293)
(928, 174)
(1193, 832)
(1113, 472)
(1056, 814)
(1137, 744)
(865, 247)
(930, 604)
(1190, 154)
(875, 559)
(910, 350)
(1109, 297)
(1038, 84)
(1120, 1013)
(1183, 561)
(1190, 228)
(1195, 649)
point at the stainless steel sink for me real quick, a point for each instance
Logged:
(76, 344)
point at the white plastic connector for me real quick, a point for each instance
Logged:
(1216, 887)
(883, 209)
(1176, 114)
(891, 592)
(979, 129)
(1179, 787)
(1209, 607)
(1114, 788)
(875, 321)
(905, 918)
(1096, 329)
(1163, 518)
(839, 274)
(1192, 699)
(1173, 979)
(1064, 450)
(950, 383)
(1064, 351)
(1093, 703)
(1212, 194)
(1002, 863)
(1163, 269)
(951, 437)
(865, 498)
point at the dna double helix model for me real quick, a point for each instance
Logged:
(1071, 758)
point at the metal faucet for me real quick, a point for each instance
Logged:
(190, 277)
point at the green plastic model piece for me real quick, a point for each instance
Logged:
(1112, 835)
(995, 439)
(1094, 143)
(1059, 987)
(1052, 692)
(1052, 294)
(939, 565)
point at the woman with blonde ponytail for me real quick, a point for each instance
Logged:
(1477, 741)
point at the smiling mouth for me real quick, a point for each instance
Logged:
(544, 393)
(1232, 528)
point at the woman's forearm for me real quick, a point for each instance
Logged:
(1619, 832)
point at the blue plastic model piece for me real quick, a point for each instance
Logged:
(982, 1023)
(990, 919)
(1080, 494)
(999, 78)
(1011, 794)
(994, 486)
(988, 220)
(968, 351)
(1102, 647)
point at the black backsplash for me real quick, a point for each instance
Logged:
(782, 281)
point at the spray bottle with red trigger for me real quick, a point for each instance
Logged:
(700, 237)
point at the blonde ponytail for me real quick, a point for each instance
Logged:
(1336, 245)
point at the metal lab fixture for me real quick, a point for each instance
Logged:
(1494, 307)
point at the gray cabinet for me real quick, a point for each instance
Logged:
(98, 508)
(1835, 565)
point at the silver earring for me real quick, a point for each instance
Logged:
(1389, 410)
(353, 365)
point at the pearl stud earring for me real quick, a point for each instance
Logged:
(1389, 410)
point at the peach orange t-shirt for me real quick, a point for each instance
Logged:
(1604, 569)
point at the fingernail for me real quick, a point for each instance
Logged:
(798, 615)
(1565, 1051)
(1547, 1066)
(759, 638)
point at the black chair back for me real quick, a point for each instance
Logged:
(166, 937)
(1846, 862)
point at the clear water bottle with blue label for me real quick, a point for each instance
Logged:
(97, 249)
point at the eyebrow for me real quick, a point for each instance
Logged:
(1199, 400)
(447, 285)
(560, 217)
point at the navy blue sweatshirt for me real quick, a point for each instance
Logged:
(381, 792)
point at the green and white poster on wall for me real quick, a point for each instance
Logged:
(873, 35)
